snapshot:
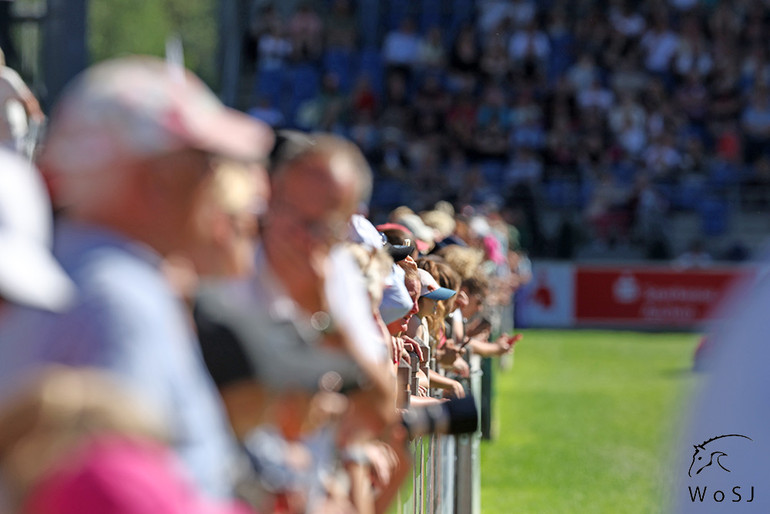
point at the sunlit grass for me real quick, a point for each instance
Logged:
(585, 421)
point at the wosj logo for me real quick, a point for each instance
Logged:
(711, 462)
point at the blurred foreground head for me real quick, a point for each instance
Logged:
(29, 275)
(131, 142)
(73, 440)
(56, 412)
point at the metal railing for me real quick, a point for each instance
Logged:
(446, 471)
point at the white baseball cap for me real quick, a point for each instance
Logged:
(29, 274)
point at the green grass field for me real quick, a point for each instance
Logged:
(584, 422)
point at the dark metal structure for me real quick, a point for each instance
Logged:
(65, 51)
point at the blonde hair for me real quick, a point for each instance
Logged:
(441, 221)
(399, 212)
(58, 410)
(446, 277)
(464, 261)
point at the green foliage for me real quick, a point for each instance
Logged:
(121, 27)
(587, 423)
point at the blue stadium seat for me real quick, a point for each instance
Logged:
(689, 194)
(372, 65)
(722, 174)
(396, 11)
(387, 193)
(624, 172)
(305, 81)
(586, 191)
(304, 84)
(493, 173)
(430, 14)
(462, 12)
(340, 62)
(270, 85)
(713, 216)
(561, 193)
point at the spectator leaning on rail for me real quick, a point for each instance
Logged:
(127, 157)
(310, 318)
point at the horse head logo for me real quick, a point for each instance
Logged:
(708, 453)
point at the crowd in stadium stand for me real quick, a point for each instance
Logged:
(624, 110)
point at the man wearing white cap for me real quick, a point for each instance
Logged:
(127, 158)
(29, 274)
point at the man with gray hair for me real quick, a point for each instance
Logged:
(310, 288)
(127, 158)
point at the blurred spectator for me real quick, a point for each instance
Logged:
(692, 98)
(695, 256)
(431, 54)
(755, 69)
(529, 49)
(363, 98)
(464, 59)
(365, 134)
(340, 27)
(663, 158)
(461, 122)
(524, 168)
(401, 47)
(431, 99)
(305, 30)
(626, 20)
(263, 20)
(627, 119)
(755, 121)
(583, 73)
(327, 109)
(692, 55)
(268, 113)
(391, 160)
(660, 44)
(273, 48)
(398, 110)
(607, 212)
(527, 122)
(306, 298)
(650, 211)
(595, 97)
(130, 181)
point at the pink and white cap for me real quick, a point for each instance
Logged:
(136, 107)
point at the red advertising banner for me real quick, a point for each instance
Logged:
(649, 296)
